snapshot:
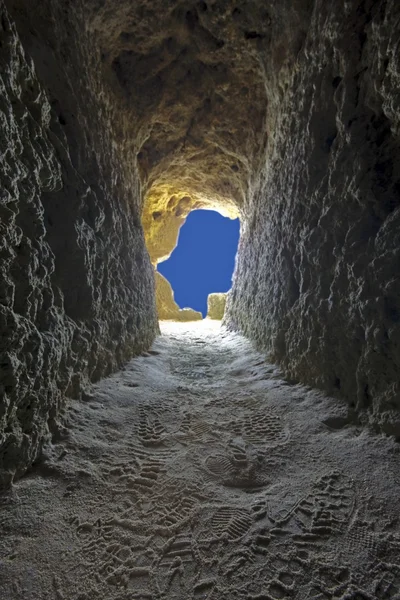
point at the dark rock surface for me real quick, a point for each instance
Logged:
(318, 275)
(76, 281)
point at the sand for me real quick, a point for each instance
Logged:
(198, 472)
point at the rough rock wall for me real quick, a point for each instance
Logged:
(318, 275)
(75, 278)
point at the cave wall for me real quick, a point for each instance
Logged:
(216, 303)
(76, 282)
(317, 282)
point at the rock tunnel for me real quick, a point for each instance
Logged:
(119, 117)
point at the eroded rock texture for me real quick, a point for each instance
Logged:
(317, 281)
(76, 280)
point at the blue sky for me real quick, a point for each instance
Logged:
(203, 260)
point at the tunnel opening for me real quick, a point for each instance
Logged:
(203, 261)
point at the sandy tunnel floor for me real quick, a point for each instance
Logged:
(198, 472)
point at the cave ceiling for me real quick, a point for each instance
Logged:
(196, 80)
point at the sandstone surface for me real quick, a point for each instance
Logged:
(216, 306)
(167, 308)
(198, 473)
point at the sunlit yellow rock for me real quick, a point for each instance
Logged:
(167, 308)
(216, 306)
(165, 210)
